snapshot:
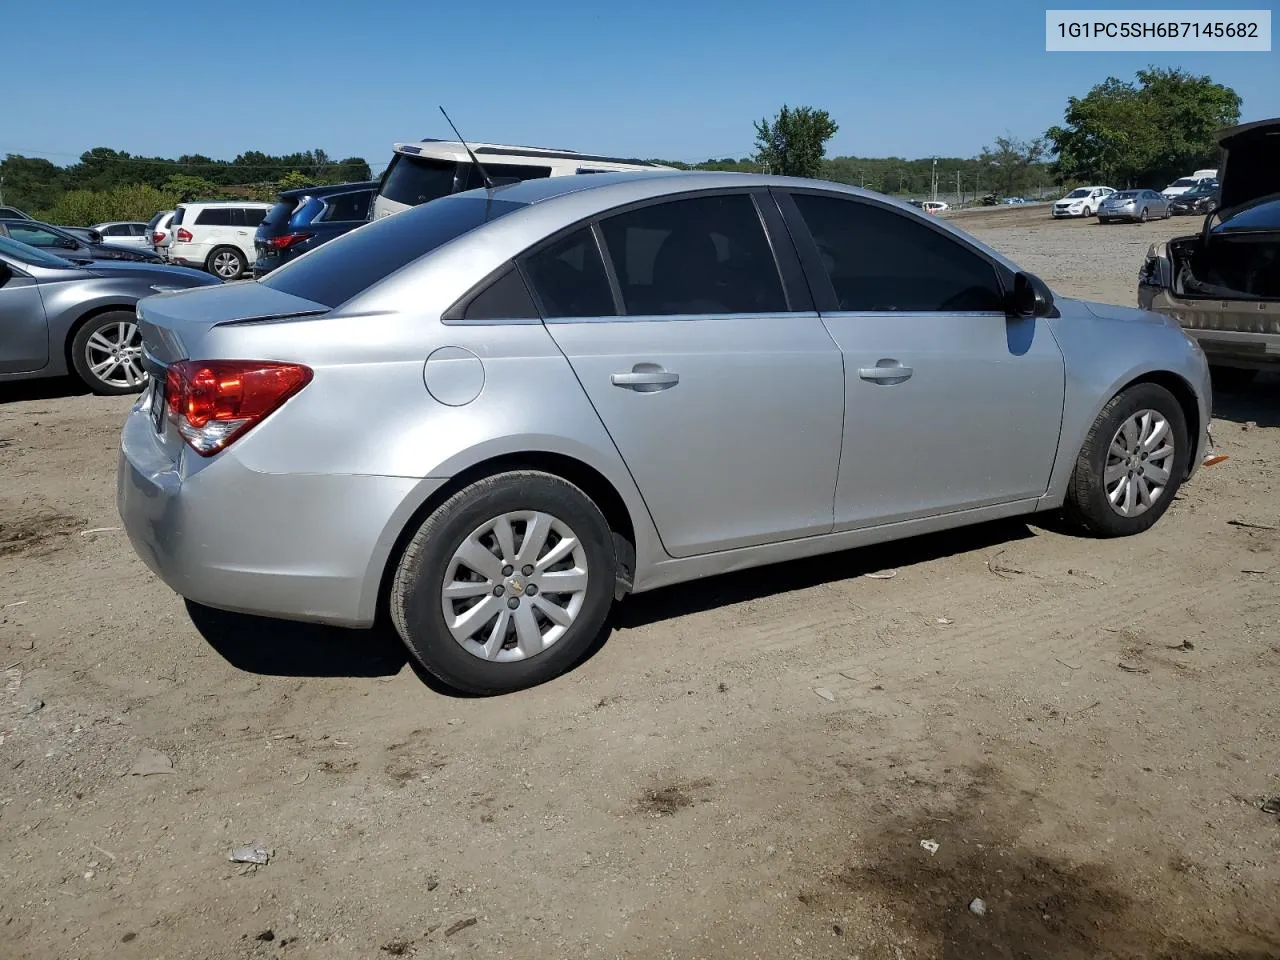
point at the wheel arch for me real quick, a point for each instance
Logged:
(1185, 395)
(591, 481)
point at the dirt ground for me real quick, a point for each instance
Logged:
(748, 767)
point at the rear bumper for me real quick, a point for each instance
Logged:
(1226, 330)
(298, 547)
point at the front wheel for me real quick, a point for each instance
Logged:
(506, 584)
(106, 354)
(1133, 460)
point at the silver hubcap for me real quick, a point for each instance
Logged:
(226, 265)
(1138, 463)
(514, 586)
(114, 355)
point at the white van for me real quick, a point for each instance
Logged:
(429, 169)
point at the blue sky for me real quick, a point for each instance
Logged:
(680, 80)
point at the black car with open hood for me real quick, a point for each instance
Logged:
(1223, 283)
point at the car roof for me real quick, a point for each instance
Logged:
(329, 189)
(457, 150)
(226, 203)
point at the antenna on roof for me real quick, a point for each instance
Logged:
(488, 184)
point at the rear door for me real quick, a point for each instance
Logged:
(950, 404)
(717, 382)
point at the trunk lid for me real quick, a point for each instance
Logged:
(1251, 164)
(172, 324)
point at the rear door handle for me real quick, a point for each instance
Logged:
(886, 371)
(645, 381)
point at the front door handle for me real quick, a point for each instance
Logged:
(645, 378)
(886, 371)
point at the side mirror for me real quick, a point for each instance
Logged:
(1030, 297)
(94, 236)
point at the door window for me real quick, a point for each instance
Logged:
(214, 217)
(570, 279)
(707, 255)
(878, 259)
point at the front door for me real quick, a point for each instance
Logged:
(951, 405)
(24, 333)
(724, 403)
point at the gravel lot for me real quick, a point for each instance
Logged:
(746, 768)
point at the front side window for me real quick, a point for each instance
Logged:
(707, 255)
(569, 277)
(501, 171)
(37, 237)
(416, 180)
(349, 265)
(881, 260)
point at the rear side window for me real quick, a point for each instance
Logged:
(354, 262)
(878, 259)
(506, 298)
(343, 207)
(708, 255)
(501, 171)
(416, 180)
(253, 216)
(569, 278)
(214, 217)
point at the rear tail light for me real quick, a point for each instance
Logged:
(157, 236)
(183, 235)
(215, 402)
(288, 240)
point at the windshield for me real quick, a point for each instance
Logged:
(1078, 192)
(416, 180)
(1184, 182)
(1125, 194)
(32, 256)
(341, 269)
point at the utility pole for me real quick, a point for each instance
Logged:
(1, 189)
(959, 195)
(934, 179)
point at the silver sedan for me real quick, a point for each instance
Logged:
(1137, 206)
(60, 317)
(492, 415)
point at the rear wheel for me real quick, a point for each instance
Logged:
(1133, 460)
(106, 354)
(228, 263)
(1142, 217)
(1104, 219)
(1231, 378)
(507, 584)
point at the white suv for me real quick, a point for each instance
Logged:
(429, 169)
(1082, 202)
(216, 235)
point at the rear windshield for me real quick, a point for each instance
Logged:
(177, 217)
(155, 221)
(351, 264)
(416, 180)
(1263, 215)
(278, 215)
(1127, 193)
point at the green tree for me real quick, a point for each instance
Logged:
(186, 187)
(30, 183)
(1007, 166)
(1144, 133)
(293, 180)
(86, 207)
(794, 143)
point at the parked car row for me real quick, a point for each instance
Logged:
(1190, 195)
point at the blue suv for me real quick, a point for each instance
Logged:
(304, 218)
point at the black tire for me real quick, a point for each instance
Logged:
(225, 255)
(1142, 217)
(417, 609)
(1087, 504)
(118, 327)
(1231, 378)
(1104, 219)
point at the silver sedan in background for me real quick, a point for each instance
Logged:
(58, 317)
(1136, 206)
(488, 417)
